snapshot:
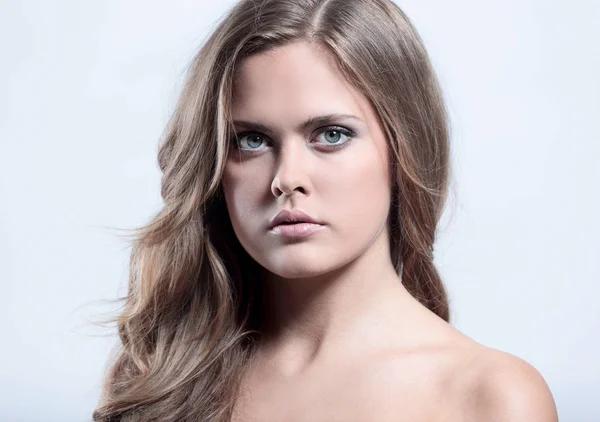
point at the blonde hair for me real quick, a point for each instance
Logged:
(190, 316)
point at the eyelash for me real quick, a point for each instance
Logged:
(344, 131)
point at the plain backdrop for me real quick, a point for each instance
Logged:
(86, 88)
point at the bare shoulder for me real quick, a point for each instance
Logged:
(497, 386)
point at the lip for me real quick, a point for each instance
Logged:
(293, 216)
(297, 230)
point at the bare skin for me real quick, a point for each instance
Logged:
(446, 378)
(397, 370)
(345, 341)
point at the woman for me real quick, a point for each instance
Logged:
(290, 275)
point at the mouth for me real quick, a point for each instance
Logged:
(294, 230)
(293, 217)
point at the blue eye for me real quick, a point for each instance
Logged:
(332, 137)
(253, 139)
(332, 134)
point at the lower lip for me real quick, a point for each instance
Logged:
(295, 231)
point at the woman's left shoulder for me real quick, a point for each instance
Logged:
(495, 386)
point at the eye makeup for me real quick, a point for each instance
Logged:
(348, 133)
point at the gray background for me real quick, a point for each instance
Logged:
(86, 89)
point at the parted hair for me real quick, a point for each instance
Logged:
(190, 318)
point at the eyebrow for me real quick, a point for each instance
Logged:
(313, 121)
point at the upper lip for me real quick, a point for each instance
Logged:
(294, 216)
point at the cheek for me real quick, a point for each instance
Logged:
(243, 190)
(359, 190)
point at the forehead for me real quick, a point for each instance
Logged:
(292, 82)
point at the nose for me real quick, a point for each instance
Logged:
(290, 175)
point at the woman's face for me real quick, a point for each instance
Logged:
(336, 170)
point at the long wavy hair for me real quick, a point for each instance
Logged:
(190, 318)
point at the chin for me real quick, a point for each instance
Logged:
(296, 271)
(299, 265)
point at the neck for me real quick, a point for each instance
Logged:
(331, 313)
